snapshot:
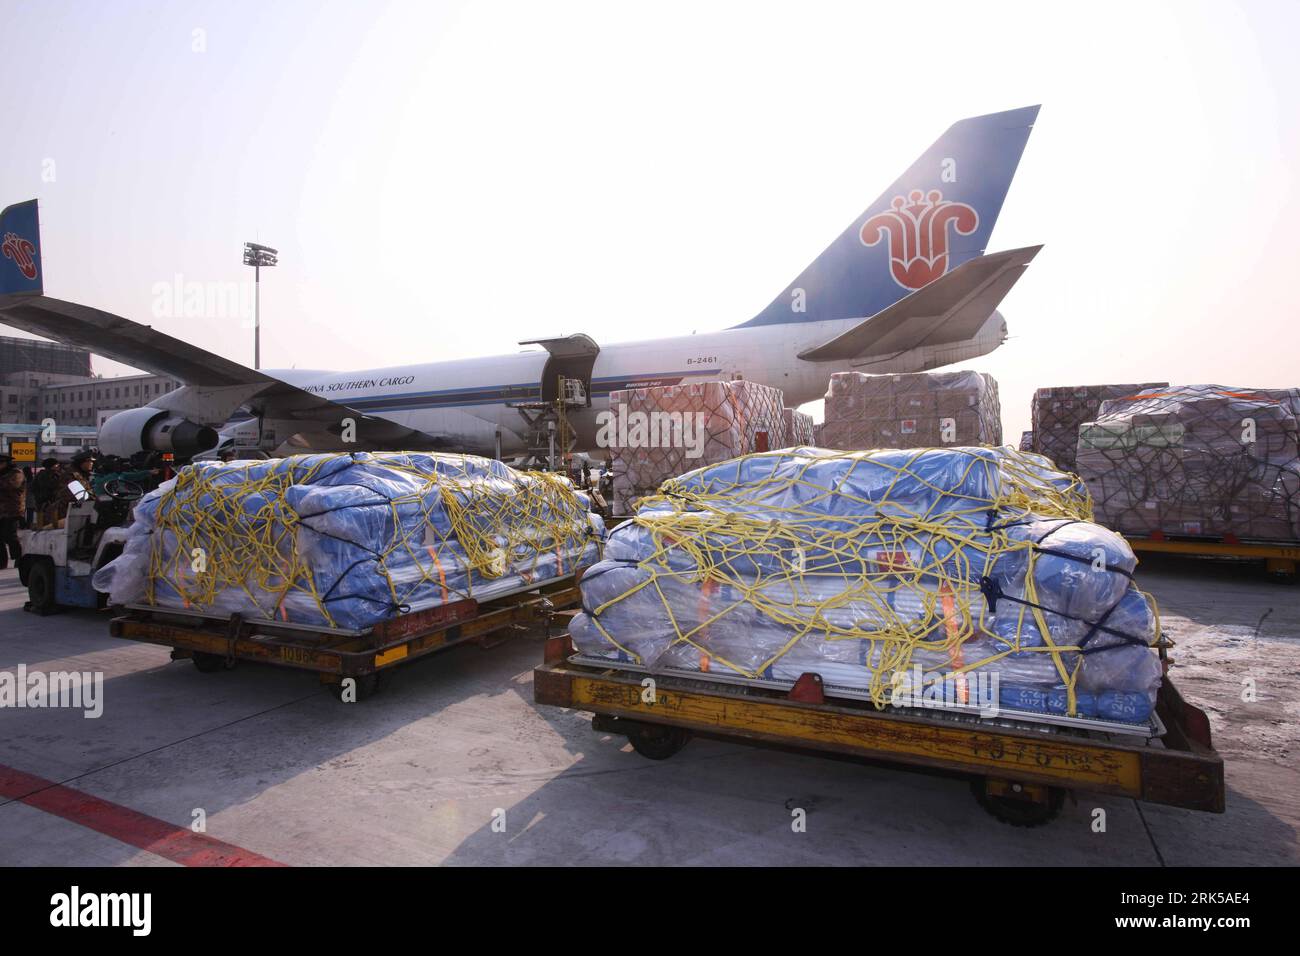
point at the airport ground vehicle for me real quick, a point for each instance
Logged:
(1279, 557)
(1020, 773)
(58, 563)
(216, 643)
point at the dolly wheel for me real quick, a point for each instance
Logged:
(658, 743)
(40, 587)
(209, 663)
(1018, 805)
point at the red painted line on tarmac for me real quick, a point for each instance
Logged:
(178, 844)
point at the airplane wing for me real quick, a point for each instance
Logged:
(218, 385)
(952, 308)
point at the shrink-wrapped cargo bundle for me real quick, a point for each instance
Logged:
(1058, 412)
(338, 540)
(798, 428)
(912, 410)
(665, 430)
(970, 571)
(1197, 460)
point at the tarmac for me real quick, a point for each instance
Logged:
(452, 763)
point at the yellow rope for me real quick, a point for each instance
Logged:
(705, 526)
(499, 525)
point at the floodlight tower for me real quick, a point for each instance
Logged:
(258, 257)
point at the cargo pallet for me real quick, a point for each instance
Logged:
(1020, 772)
(216, 643)
(1280, 557)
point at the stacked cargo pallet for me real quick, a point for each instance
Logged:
(914, 410)
(962, 572)
(1199, 461)
(667, 430)
(1059, 411)
(349, 540)
(799, 429)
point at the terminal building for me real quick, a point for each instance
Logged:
(33, 355)
(40, 380)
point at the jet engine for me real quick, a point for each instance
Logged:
(154, 429)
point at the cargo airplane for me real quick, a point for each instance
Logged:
(906, 287)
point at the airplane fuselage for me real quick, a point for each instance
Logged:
(468, 401)
(908, 286)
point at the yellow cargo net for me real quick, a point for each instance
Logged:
(931, 557)
(228, 527)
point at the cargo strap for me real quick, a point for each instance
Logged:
(993, 593)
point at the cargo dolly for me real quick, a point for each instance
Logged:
(216, 642)
(1020, 771)
(1280, 557)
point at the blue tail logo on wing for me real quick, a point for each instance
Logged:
(936, 216)
(20, 249)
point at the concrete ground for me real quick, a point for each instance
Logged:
(420, 773)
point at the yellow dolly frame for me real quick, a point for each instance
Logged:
(1019, 775)
(1279, 558)
(215, 643)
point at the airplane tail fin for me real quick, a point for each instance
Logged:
(936, 216)
(20, 249)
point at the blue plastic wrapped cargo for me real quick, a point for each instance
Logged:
(349, 540)
(869, 567)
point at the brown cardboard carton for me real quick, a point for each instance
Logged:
(1197, 461)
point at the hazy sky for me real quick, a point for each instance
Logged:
(446, 179)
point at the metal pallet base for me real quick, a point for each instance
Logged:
(317, 628)
(1006, 717)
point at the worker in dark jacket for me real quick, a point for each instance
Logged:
(13, 505)
(83, 468)
(45, 492)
